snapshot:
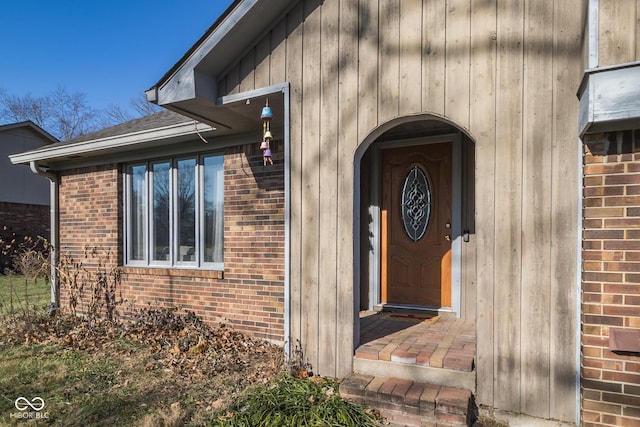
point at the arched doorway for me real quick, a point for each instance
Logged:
(415, 246)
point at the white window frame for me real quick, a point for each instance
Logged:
(128, 239)
(174, 208)
(150, 217)
(174, 261)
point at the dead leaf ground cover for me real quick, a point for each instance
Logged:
(159, 368)
(152, 368)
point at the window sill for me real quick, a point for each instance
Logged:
(173, 272)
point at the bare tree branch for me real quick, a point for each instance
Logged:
(143, 107)
(67, 115)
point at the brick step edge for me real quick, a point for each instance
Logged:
(454, 359)
(412, 403)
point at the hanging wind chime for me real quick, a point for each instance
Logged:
(266, 117)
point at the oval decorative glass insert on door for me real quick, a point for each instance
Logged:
(416, 204)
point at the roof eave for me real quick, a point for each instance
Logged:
(190, 86)
(114, 143)
(50, 139)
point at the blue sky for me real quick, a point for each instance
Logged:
(109, 50)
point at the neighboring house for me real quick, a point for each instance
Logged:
(525, 203)
(24, 197)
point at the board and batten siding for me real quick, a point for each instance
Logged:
(507, 73)
(619, 32)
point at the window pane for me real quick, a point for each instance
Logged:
(213, 208)
(160, 234)
(186, 210)
(137, 213)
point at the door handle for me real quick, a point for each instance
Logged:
(447, 237)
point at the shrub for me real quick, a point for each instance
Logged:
(26, 255)
(290, 401)
(92, 283)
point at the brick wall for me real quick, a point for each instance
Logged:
(248, 294)
(89, 215)
(24, 219)
(610, 280)
(89, 211)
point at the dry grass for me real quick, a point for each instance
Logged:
(156, 368)
(173, 417)
(159, 369)
(488, 420)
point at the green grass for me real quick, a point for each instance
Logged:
(84, 388)
(78, 389)
(19, 294)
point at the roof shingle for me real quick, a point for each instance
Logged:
(153, 121)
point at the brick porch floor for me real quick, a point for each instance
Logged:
(416, 369)
(436, 342)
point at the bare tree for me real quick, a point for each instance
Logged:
(143, 107)
(70, 113)
(138, 107)
(20, 108)
(67, 115)
(63, 114)
(114, 114)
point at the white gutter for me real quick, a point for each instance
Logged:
(53, 233)
(111, 143)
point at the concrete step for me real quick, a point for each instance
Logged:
(406, 402)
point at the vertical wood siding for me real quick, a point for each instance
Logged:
(536, 208)
(482, 120)
(293, 70)
(433, 56)
(618, 32)
(504, 71)
(567, 24)
(347, 126)
(507, 332)
(328, 183)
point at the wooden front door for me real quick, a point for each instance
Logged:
(416, 225)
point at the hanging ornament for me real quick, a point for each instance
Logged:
(266, 155)
(266, 117)
(267, 114)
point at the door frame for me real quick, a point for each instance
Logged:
(456, 220)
